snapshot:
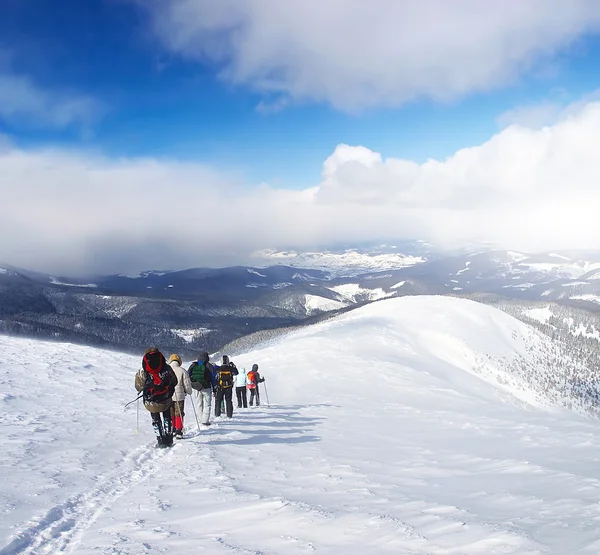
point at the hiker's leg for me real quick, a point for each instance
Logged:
(218, 401)
(206, 395)
(229, 402)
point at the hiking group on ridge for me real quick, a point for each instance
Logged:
(164, 385)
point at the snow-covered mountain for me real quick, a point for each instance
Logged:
(549, 276)
(203, 308)
(414, 425)
(343, 262)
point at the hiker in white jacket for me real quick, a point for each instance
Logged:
(183, 388)
(240, 389)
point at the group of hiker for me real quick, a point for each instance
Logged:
(165, 384)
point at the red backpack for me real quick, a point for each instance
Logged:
(251, 379)
(159, 381)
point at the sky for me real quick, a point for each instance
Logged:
(465, 446)
(142, 135)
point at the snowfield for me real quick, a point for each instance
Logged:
(410, 426)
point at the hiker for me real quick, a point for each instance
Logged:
(202, 378)
(253, 379)
(240, 389)
(156, 380)
(225, 380)
(183, 388)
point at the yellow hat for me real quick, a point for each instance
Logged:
(175, 357)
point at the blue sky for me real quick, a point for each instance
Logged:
(184, 81)
(154, 102)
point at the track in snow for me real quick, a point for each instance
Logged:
(58, 530)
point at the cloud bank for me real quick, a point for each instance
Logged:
(76, 212)
(355, 54)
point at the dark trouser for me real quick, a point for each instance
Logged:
(226, 394)
(178, 414)
(254, 393)
(163, 427)
(242, 398)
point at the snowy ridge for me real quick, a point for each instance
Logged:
(413, 425)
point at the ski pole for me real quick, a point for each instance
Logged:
(138, 397)
(195, 413)
(266, 393)
(137, 428)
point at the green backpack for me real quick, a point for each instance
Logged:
(197, 372)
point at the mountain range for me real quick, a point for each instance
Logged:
(205, 308)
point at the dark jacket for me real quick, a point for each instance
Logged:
(229, 366)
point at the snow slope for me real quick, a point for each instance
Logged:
(395, 428)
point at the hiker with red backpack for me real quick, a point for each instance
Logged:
(201, 373)
(252, 380)
(183, 388)
(225, 378)
(156, 380)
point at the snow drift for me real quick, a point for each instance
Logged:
(409, 426)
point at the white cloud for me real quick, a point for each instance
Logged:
(547, 112)
(21, 100)
(533, 115)
(356, 54)
(526, 189)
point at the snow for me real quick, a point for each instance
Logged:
(574, 283)
(351, 291)
(587, 297)
(282, 285)
(315, 303)
(145, 274)
(4, 271)
(349, 262)
(542, 315)
(190, 334)
(398, 285)
(559, 256)
(573, 270)
(516, 256)
(256, 273)
(394, 428)
(54, 281)
(519, 286)
(581, 329)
